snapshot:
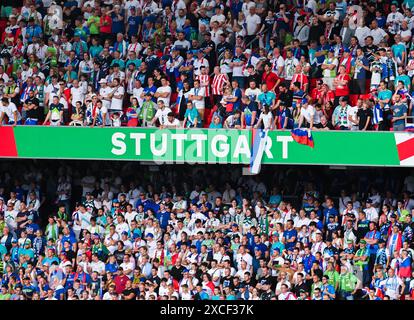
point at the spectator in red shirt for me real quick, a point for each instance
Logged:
(341, 84)
(321, 94)
(317, 91)
(270, 78)
(120, 281)
(300, 77)
(105, 25)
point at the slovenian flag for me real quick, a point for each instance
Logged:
(302, 136)
(258, 148)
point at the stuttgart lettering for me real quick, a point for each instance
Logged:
(194, 146)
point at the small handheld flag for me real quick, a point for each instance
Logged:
(303, 136)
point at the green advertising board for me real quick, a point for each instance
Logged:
(206, 146)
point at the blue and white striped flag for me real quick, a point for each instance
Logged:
(258, 148)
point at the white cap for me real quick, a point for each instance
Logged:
(248, 51)
(67, 263)
(102, 81)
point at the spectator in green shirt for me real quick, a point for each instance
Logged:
(348, 284)
(4, 294)
(93, 23)
(332, 274)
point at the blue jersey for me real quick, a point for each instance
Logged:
(134, 23)
(330, 212)
(290, 234)
(373, 235)
(163, 217)
(307, 262)
(117, 24)
(282, 116)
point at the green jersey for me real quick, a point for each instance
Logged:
(333, 277)
(360, 253)
(347, 282)
(93, 23)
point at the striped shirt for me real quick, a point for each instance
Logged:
(219, 81)
(205, 82)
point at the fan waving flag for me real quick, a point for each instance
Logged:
(302, 136)
(258, 148)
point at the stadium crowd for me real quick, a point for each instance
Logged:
(325, 65)
(120, 232)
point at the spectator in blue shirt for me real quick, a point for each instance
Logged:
(327, 289)
(330, 210)
(290, 235)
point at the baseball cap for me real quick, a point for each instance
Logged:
(347, 50)
(343, 99)
(304, 100)
(369, 200)
(248, 51)
(67, 263)
(150, 235)
(225, 208)
(102, 81)
(363, 242)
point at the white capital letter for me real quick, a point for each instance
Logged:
(163, 148)
(242, 147)
(119, 145)
(137, 137)
(285, 140)
(225, 147)
(199, 138)
(180, 137)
